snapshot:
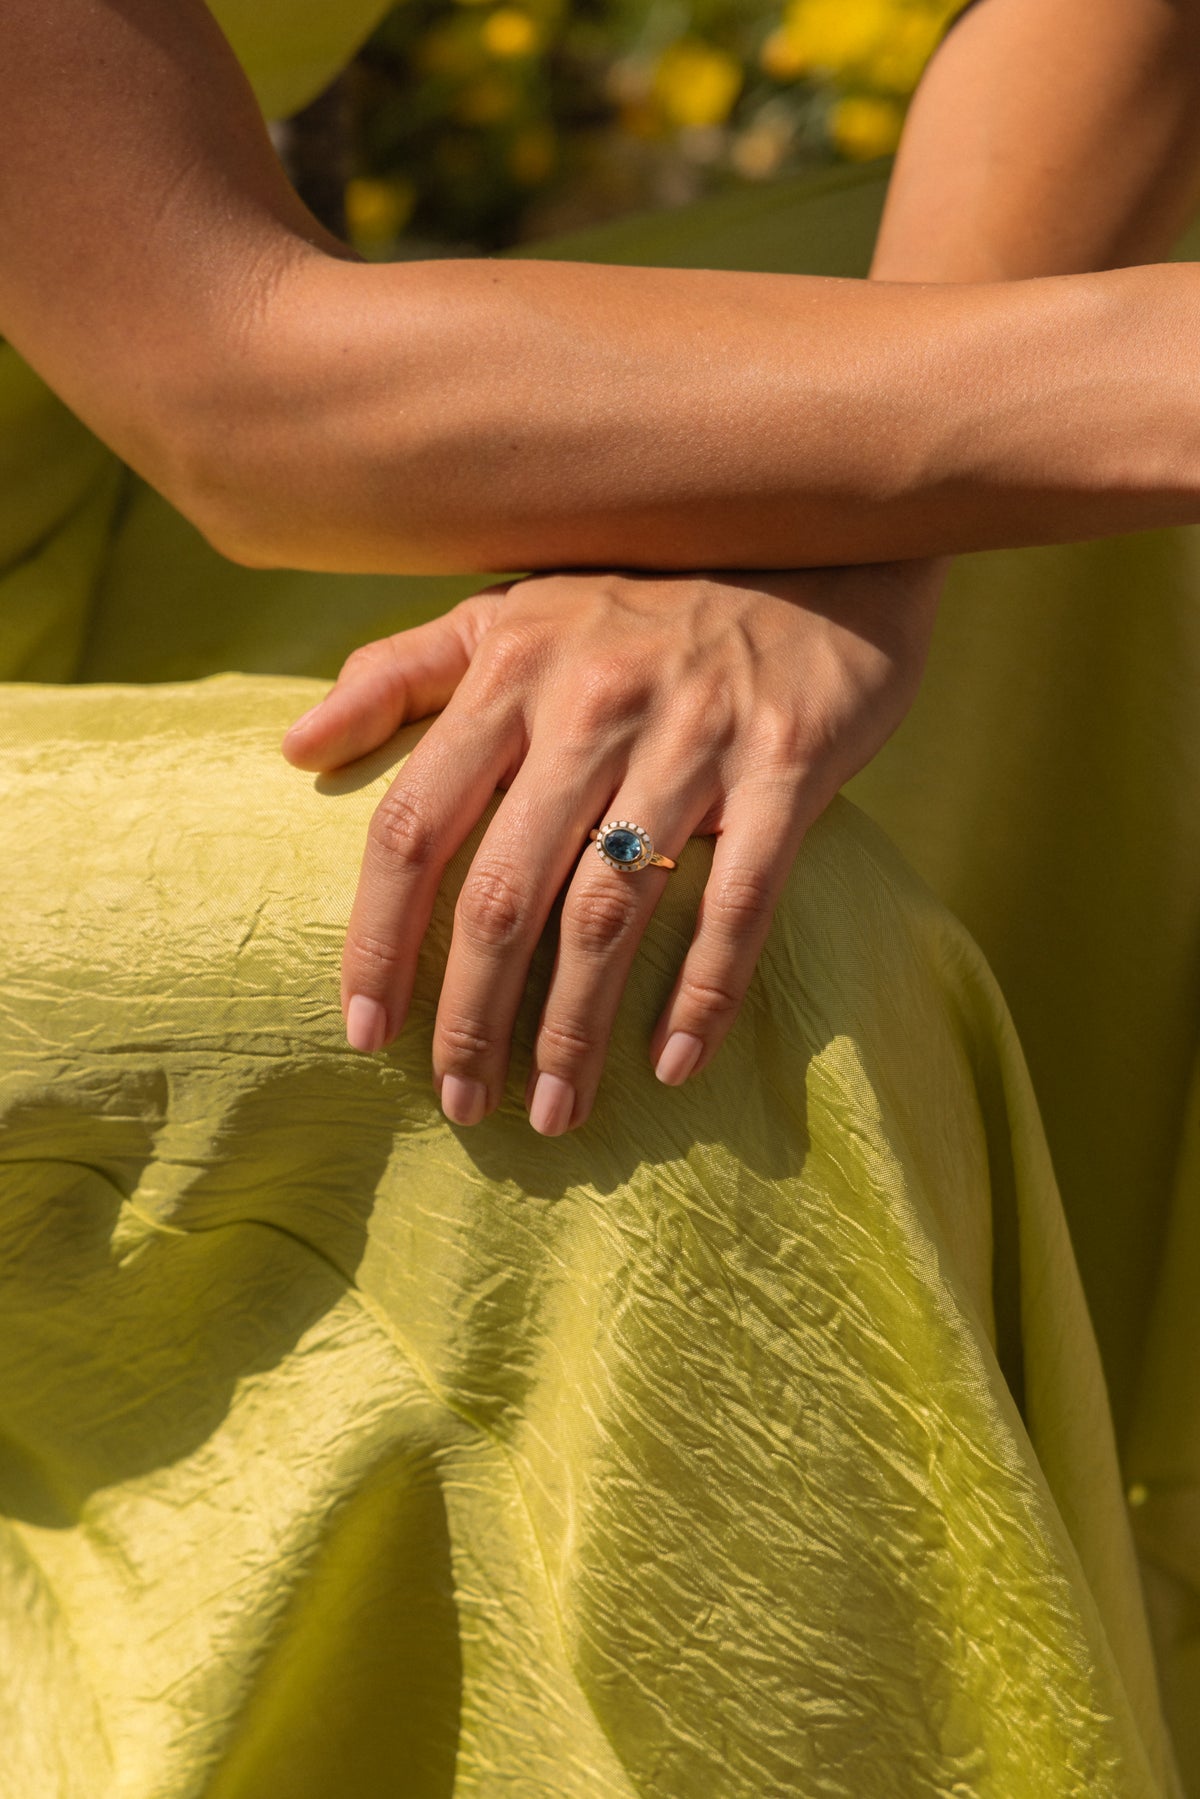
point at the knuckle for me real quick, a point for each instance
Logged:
(740, 903)
(708, 716)
(822, 739)
(506, 657)
(607, 691)
(597, 921)
(465, 1041)
(366, 951)
(787, 735)
(492, 906)
(367, 656)
(400, 829)
(563, 1044)
(709, 996)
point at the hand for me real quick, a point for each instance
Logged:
(732, 705)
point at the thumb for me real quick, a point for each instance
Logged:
(390, 682)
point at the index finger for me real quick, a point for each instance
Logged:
(425, 816)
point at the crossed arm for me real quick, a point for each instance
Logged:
(306, 409)
(303, 408)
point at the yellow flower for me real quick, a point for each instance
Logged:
(864, 125)
(834, 34)
(532, 153)
(897, 63)
(695, 83)
(377, 211)
(510, 32)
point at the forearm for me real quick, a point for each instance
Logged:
(877, 429)
(546, 415)
(304, 408)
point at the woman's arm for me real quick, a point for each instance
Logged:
(304, 408)
(1060, 168)
(1063, 166)
(993, 188)
(1047, 137)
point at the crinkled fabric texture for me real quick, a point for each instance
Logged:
(751, 1440)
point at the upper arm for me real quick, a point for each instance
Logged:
(1048, 137)
(143, 212)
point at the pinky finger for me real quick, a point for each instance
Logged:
(751, 863)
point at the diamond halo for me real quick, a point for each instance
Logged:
(624, 846)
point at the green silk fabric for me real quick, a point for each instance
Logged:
(755, 1439)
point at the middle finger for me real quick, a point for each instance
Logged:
(522, 861)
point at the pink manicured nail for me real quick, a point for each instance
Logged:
(680, 1055)
(366, 1023)
(463, 1101)
(551, 1106)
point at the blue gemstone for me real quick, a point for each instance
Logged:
(623, 846)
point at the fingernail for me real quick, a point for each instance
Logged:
(366, 1023)
(463, 1101)
(551, 1106)
(680, 1055)
(304, 717)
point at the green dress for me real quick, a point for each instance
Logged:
(753, 1440)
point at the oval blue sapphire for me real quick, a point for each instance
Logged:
(623, 846)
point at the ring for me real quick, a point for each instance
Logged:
(627, 847)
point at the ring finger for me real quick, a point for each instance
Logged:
(604, 916)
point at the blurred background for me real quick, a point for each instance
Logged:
(468, 126)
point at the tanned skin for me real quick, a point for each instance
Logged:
(988, 387)
(309, 410)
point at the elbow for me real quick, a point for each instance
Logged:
(235, 483)
(285, 468)
(219, 495)
(233, 539)
(263, 506)
(236, 540)
(276, 522)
